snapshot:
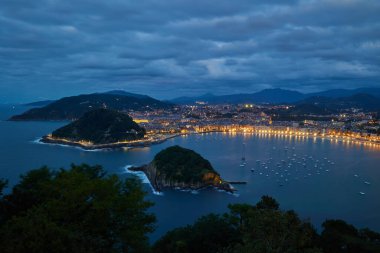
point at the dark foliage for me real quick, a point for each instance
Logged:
(211, 233)
(338, 236)
(101, 126)
(183, 165)
(264, 228)
(268, 202)
(75, 210)
(84, 210)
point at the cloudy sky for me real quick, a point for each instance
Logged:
(169, 48)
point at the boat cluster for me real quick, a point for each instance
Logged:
(290, 165)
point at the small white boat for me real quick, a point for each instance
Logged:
(366, 182)
(362, 193)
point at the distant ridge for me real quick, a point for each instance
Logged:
(112, 92)
(264, 96)
(361, 100)
(70, 108)
(275, 96)
(190, 100)
(124, 93)
(336, 93)
(39, 103)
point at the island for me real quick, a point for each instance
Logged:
(99, 128)
(180, 168)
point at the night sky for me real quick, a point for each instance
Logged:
(170, 48)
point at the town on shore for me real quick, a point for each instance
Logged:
(349, 128)
(147, 121)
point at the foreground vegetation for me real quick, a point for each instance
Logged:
(78, 210)
(84, 210)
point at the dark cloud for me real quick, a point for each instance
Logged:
(171, 48)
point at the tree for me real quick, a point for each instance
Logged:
(3, 184)
(268, 230)
(261, 228)
(268, 202)
(75, 210)
(338, 236)
(210, 233)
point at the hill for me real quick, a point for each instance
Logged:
(39, 103)
(362, 101)
(125, 93)
(71, 108)
(338, 93)
(191, 100)
(275, 96)
(101, 126)
(180, 167)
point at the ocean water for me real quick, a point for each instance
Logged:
(317, 178)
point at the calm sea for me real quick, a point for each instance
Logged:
(317, 178)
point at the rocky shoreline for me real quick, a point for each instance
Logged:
(159, 183)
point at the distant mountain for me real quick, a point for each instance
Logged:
(192, 100)
(112, 92)
(70, 108)
(337, 93)
(101, 126)
(40, 103)
(124, 93)
(277, 96)
(273, 96)
(363, 101)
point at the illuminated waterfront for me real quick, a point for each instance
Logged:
(334, 193)
(155, 137)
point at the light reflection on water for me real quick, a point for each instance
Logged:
(322, 194)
